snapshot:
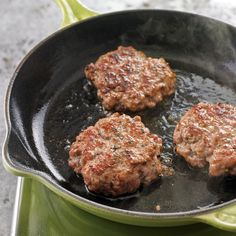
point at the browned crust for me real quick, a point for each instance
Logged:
(207, 134)
(116, 155)
(126, 79)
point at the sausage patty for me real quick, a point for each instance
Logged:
(116, 155)
(207, 134)
(126, 79)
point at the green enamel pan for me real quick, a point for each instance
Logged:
(49, 101)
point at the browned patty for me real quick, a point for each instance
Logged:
(207, 134)
(126, 79)
(116, 155)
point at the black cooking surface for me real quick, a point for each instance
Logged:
(77, 107)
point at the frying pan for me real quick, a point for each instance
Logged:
(49, 102)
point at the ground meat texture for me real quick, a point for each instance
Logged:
(116, 155)
(207, 134)
(126, 79)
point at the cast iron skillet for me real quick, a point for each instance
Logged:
(49, 102)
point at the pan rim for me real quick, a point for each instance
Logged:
(46, 179)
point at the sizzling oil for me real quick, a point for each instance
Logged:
(77, 107)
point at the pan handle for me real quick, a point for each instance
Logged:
(224, 218)
(73, 11)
